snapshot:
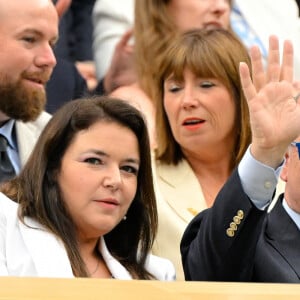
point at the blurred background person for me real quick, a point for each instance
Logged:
(76, 38)
(255, 21)
(111, 19)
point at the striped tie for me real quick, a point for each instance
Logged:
(6, 168)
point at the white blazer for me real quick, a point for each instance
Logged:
(30, 250)
(111, 19)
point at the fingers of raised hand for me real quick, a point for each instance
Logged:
(247, 84)
(296, 90)
(273, 68)
(258, 71)
(275, 71)
(287, 70)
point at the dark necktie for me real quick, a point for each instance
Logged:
(6, 168)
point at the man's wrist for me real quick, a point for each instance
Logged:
(268, 157)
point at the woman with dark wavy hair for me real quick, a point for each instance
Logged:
(84, 204)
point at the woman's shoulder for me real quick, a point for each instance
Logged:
(7, 204)
(176, 173)
(8, 208)
(161, 268)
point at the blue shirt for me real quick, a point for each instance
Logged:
(247, 35)
(8, 130)
(259, 183)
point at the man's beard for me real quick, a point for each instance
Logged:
(20, 102)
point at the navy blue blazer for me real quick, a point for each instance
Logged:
(64, 85)
(76, 32)
(234, 241)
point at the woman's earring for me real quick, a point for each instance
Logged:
(125, 218)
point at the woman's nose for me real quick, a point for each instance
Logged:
(189, 99)
(113, 179)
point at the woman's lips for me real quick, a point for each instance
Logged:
(193, 123)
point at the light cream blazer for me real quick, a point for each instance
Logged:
(179, 199)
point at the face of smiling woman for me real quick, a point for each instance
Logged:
(98, 177)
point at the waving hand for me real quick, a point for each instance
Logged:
(274, 112)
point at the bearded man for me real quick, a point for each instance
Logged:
(28, 33)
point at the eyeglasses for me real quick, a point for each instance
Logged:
(296, 144)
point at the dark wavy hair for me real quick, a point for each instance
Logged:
(37, 191)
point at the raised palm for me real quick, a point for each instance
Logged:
(274, 113)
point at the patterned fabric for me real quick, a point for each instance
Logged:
(6, 168)
(241, 27)
(9, 132)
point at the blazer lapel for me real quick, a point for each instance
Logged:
(25, 139)
(27, 135)
(179, 187)
(284, 236)
(47, 251)
(117, 270)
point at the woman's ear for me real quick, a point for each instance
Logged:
(284, 171)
